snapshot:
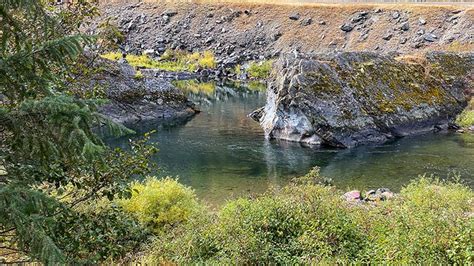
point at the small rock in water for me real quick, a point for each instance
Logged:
(353, 195)
(471, 128)
(403, 40)
(422, 21)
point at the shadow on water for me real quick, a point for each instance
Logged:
(223, 154)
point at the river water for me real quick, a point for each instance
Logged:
(223, 154)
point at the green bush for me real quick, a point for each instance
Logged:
(260, 70)
(306, 223)
(161, 203)
(100, 231)
(427, 223)
(466, 118)
(171, 60)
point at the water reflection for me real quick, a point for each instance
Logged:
(223, 154)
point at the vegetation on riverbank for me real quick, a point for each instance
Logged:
(171, 60)
(196, 87)
(466, 118)
(260, 70)
(66, 197)
(429, 221)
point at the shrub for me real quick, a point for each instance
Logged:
(427, 223)
(114, 56)
(139, 75)
(260, 70)
(196, 87)
(171, 60)
(161, 203)
(466, 118)
(207, 60)
(100, 231)
(308, 223)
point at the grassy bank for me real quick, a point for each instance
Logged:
(429, 221)
(466, 118)
(171, 60)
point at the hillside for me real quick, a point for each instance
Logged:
(239, 32)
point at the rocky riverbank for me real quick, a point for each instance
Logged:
(341, 100)
(133, 97)
(347, 99)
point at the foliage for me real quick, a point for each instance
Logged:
(260, 70)
(99, 231)
(161, 203)
(466, 118)
(196, 87)
(49, 151)
(428, 223)
(309, 223)
(110, 35)
(171, 60)
(138, 75)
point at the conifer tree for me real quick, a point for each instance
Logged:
(48, 145)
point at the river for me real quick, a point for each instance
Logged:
(223, 154)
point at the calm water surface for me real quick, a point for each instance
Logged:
(223, 154)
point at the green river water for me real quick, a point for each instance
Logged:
(223, 154)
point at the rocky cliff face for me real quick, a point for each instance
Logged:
(348, 99)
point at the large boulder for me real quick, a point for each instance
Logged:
(133, 97)
(348, 99)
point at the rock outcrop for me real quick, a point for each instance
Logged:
(133, 98)
(347, 99)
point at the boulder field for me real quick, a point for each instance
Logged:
(348, 99)
(240, 32)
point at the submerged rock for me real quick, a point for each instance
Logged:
(348, 99)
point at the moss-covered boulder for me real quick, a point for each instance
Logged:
(348, 99)
(133, 97)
